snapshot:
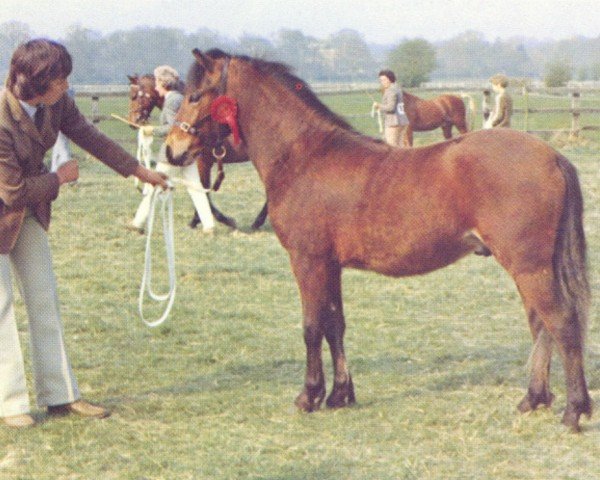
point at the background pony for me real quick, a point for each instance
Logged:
(445, 111)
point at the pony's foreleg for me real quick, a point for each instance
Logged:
(335, 326)
(317, 278)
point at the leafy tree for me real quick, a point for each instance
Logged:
(300, 52)
(557, 74)
(342, 56)
(83, 45)
(412, 61)
(595, 71)
(12, 34)
(467, 55)
(582, 74)
(348, 55)
(256, 46)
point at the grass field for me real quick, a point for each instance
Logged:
(438, 361)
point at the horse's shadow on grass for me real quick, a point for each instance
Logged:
(489, 366)
(480, 367)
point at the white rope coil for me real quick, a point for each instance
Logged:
(166, 208)
(376, 111)
(144, 152)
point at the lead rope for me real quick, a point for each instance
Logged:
(376, 111)
(143, 153)
(166, 208)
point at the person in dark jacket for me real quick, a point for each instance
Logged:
(34, 107)
(395, 120)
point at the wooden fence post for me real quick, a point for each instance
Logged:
(95, 109)
(575, 97)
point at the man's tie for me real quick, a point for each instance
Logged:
(38, 117)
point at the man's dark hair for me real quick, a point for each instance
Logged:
(34, 65)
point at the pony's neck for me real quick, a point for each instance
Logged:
(275, 122)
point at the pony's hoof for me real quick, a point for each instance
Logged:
(308, 402)
(339, 400)
(342, 395)
(571, 420)
(574, 411)
(532, 401)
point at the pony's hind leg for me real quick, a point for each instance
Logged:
(562, 324)
(219, 217)
(539, 392)
(204, 172)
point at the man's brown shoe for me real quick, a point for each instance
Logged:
(19, 421)
(79, 407)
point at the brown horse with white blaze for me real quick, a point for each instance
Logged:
(338, 199)
(143, 98)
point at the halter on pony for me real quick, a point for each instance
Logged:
(224, 111)
(142, 100)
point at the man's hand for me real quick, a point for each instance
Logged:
(147, 130)
(150, 176)
(68, 172)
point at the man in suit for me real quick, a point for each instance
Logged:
(167, 83)
(34, 107)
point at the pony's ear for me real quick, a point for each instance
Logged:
(204, 60)
(133, 79)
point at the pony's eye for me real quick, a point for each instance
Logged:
(194, 97)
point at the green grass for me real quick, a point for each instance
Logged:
(439, 361)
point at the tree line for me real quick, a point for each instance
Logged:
(343, 56)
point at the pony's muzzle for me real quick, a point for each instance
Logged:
(180, 160)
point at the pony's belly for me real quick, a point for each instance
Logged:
(416, 261)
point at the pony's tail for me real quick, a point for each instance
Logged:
(471, 109)
(569, 261)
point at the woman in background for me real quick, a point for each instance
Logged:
(392, 106)
(167, 82)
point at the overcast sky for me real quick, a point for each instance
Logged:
(380, 21)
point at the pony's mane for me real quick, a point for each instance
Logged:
(281, 73)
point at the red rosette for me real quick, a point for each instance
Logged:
(224, 110)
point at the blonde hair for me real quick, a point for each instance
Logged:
(167, 76)
(499, 79)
